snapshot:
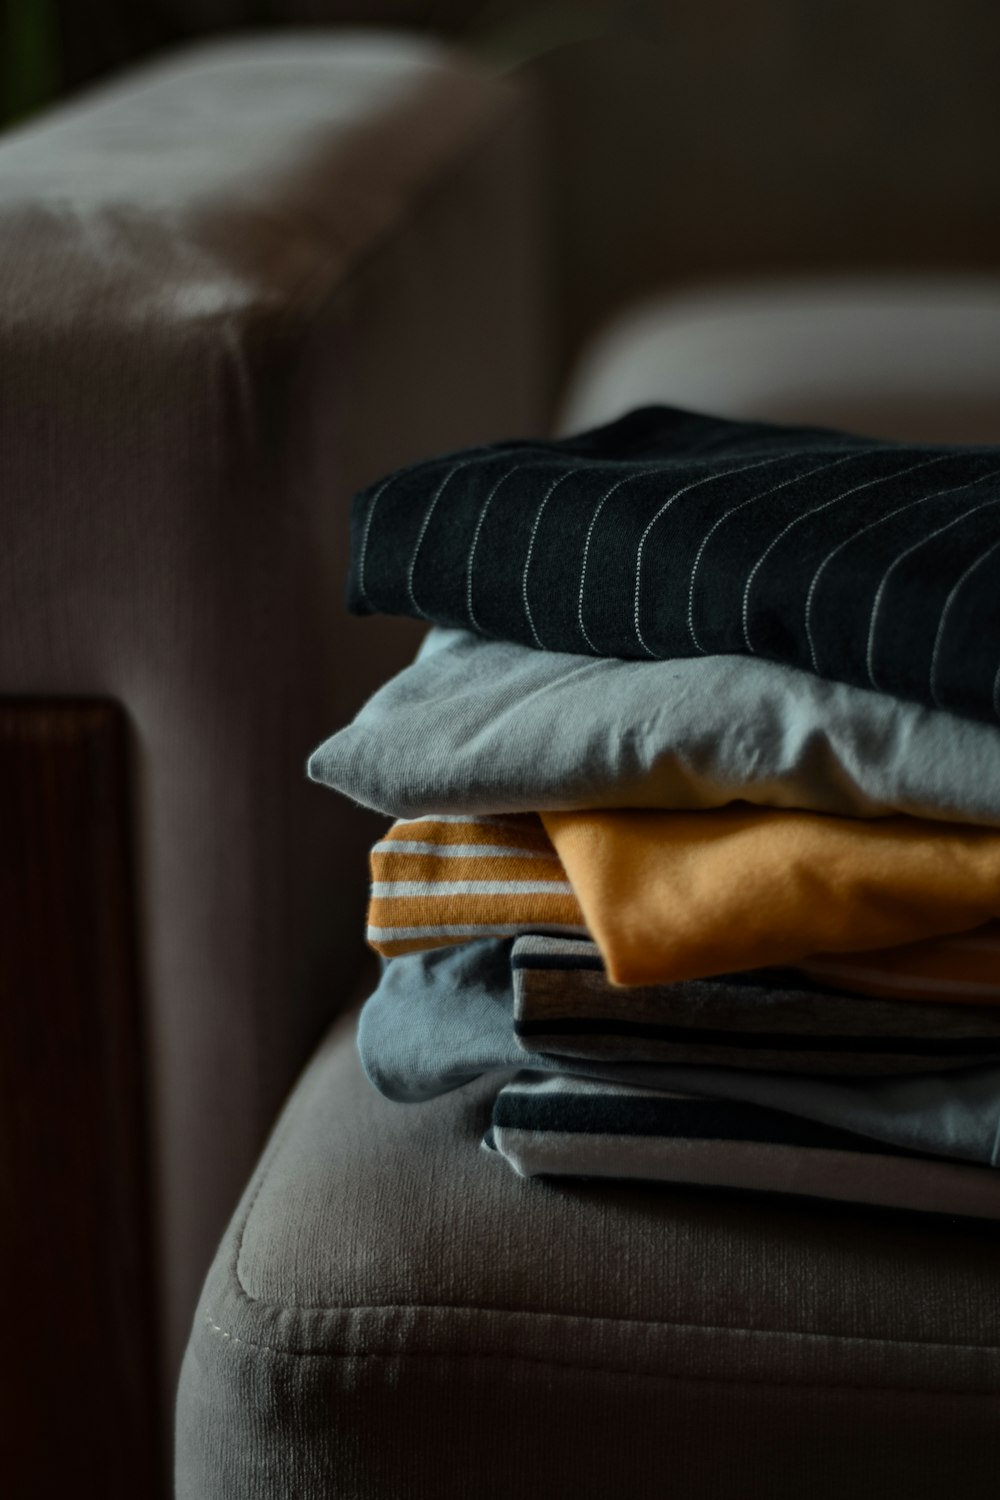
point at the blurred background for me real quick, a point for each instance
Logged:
(686, 139)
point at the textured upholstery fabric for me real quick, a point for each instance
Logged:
(216, 279)
(912, 358)
(393, 1312)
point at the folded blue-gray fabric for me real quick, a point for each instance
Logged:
(438, 1020)
(479, 727)
(667, 534)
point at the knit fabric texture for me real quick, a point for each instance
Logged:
(564, 1004)
(441, 1019)
(668, 534)
(817, 881)
(572, 1127)
(670, 896)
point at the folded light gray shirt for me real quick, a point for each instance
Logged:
(478, 726)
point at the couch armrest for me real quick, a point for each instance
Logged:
(233, 288)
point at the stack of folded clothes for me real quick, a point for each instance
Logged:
(696, 782)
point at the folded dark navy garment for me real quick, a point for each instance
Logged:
(765, 1020)
(667, 534)
(574, 1127)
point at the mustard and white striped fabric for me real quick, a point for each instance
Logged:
(449, 879)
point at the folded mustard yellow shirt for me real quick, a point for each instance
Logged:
(666, 907)
(671, 896)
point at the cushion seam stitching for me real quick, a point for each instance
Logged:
(343, 1307)
(517, 1358)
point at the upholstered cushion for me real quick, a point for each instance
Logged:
(909, 357)
(392, 1312)
(217, 279)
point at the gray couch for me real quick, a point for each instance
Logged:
(393, 1313)
(234, 286)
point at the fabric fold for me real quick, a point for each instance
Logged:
(669, 897)
(697, 788)
(563, 1003)
(668, 534)
(479, 726)
(573, 1127)
(438, 1020)
(443, 880)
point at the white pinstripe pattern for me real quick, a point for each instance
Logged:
(862, 530)
(485, 452)
(411, 468)
(363, 550)
(695, 484)
(475, 543)
(807, 515)
(644, 474)
(763, 495)
(531, 547)
(625, 479)
(455, 469)
(907, 552)
(946, 611)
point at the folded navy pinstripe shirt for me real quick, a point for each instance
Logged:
(667, 534)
